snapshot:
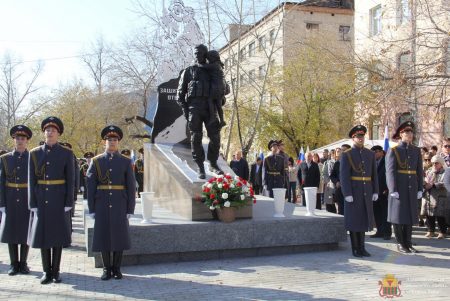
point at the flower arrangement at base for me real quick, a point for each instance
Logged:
(226, 191)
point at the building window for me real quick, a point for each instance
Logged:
(374, 127)
(344, 33)
(312, 26)
(404, 11)
(404, 62)
(262, 71)
(251, 76)
(261, 43)
(375, 20)
(251, 49)
(272, 36)
(242, 54)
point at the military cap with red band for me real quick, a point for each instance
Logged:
(20, 130)
(53, 121)
(356, 130)
(112, 131)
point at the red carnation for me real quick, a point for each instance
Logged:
(244, 181)
(211, 180)
(226, 186)
(254, 201)
(212, 196)
(206, 190)
(239, 184)
(219, 180)
(228, 177)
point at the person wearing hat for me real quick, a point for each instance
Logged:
(384, 228)
(83, 172)
(139, 171)
(436, 204)
(51, 180)
(111, 201)
(14, 200)
(274, 172)
(126, 153)
(359, 183)
(285, 157)
(404, 176)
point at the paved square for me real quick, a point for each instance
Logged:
(334, 275)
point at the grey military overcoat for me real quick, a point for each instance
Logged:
(359, 179)
(404, 174)
(14, 197)
(111, 206)
(50, 189)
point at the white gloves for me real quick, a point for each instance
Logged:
(395, 195)
(419, 194)
(82, 188)
(91, 215)
(67, 209)
(265, 187)
(349, 199)
(129, 215)
(2, 210)
(33, 210)
(375, 197)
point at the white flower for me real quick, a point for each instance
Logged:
(220, 185)
(242, 197)
(232, 186)
(227, 204)
(220, 176)
(224, 195)
(211, 207)
(209, 185)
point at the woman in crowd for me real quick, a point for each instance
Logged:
(316, 159)
(292, 185)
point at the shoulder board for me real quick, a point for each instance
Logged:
(67, 148)
(35, 149)
(347, 150)
(125, 157)
(395, 146)
(5, 155)
(96, 157)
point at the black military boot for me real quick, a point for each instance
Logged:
(213, 167)
(117, 261)
(407, 232)
(362, 247)
(23, 266)
(399, 237)
(106, 258)
(14, 258)
(56, 262)
(201, 171)
(46, 265)
(355, 246)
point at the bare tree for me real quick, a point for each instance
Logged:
(16, 87)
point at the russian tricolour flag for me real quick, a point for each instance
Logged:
(301, 156)
(386, 139)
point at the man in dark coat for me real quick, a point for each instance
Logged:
(273, 169)
(139, 171)
(50, 196)
(404, 175)
(309, 176)
(359, 182)
(14, 200)
(240, 166)
(111, 201)
(335, 178)
(83, 172)
(193, 93)
(380, 207)
(256, 176)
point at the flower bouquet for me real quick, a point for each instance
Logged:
(226, 193)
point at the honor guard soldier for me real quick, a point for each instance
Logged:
(139, 171)
(14, 200)
(111, 201)
(359, 183)
(83, 172)
(404, 176)
(274, 172)
(50, 196)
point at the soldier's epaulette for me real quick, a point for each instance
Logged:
(4, 155)
(35, 149)
(395, 146)
(97, 157)
(66, 148)
(125, 156)
(347, 150)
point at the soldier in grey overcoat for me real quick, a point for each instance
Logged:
(111, 201)
(50, 198)
(404, 177)
(359, 182)
(14, 200)
(274, 171)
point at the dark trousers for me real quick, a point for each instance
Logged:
(380, 211)
(291, 192)
(339, 199)
(330, 208)
(257, 189)
(319, 201)
(431, 224)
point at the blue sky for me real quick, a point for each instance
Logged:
(55, 29)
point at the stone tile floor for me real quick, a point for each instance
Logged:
(334, 275)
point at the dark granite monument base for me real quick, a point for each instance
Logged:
(172, 238)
